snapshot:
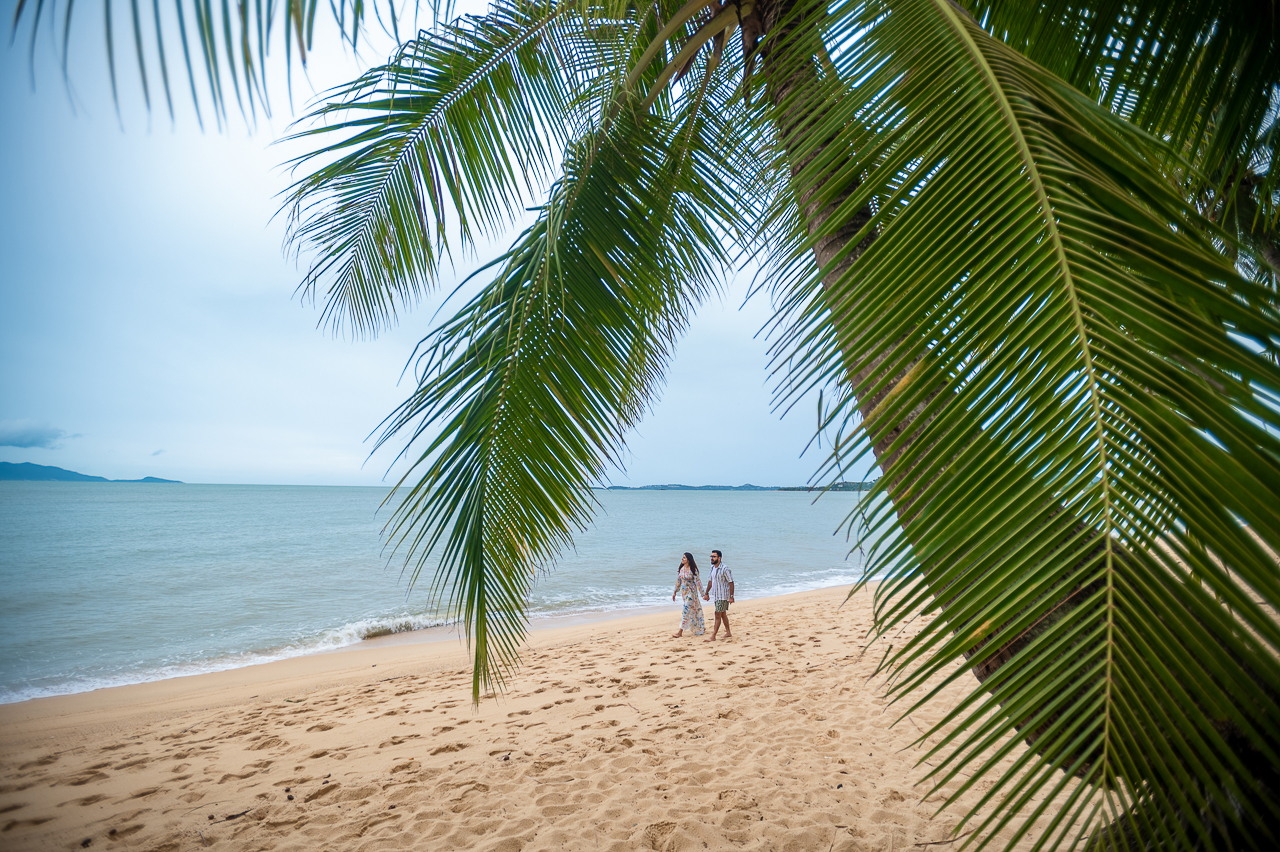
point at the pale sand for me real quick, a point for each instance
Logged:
(612, 736)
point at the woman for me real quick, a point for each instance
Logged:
(687, 585)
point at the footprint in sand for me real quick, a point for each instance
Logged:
(541, 766)
(121, 833)
(84, 802)
(84, 778)
(266, 742)
(655, 835)
(47, 760)
(324, 790)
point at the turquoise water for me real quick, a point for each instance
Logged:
(114, 583)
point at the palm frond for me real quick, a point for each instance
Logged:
(1073, 397)
(530, 388)
(469, 120)
(232, 41)
(1202, 75)
(465, 122)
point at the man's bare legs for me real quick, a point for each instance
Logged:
(721, 617)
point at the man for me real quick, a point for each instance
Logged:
(721, 584)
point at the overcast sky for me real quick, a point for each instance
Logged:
(151, 325)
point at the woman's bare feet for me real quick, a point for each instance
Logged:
(677, 634)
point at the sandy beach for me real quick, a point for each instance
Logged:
(611, 736)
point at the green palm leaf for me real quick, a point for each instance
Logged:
(1069, 388)
(465, 121)
(533, 383)
(232, 41)
(1200, 76)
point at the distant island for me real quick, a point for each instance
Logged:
(839, 486)
(28, 472)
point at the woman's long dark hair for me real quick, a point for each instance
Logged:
(693, 566)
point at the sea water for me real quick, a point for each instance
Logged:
(115, 583)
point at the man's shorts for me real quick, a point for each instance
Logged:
(722, 606)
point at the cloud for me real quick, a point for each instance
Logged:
(28, 433)
(156, 453)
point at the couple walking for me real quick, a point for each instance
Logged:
(689, 586)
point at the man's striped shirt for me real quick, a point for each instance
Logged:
(721, 577)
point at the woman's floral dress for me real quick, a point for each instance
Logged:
(691, 615)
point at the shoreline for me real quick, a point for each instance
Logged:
(441, 633)
(226, 679)
(541, 622)
(611, 736)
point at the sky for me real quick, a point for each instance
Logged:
(152, 325)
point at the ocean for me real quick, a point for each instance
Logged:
(116, 583)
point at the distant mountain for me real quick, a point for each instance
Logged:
(839, 486)
(28, 472)
(676, 487)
